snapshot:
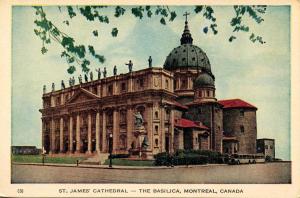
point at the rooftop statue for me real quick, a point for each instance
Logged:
(80, 79)
(130, 64)
(70, 81)
(73, 81)
(44, 89)
(53, 87)
(86, 78)
(91, 76)
(138, 119)
(150, 62)
(104, 72)
(99, 73)
(63, 85)
(115, 70)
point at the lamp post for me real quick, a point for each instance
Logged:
(110, 149)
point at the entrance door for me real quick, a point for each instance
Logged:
(187, 139)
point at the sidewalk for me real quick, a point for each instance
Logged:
(116, 166)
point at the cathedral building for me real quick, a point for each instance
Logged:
(151, 110)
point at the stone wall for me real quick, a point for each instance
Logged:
(241, 122)
(210, 114)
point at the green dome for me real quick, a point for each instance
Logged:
(204, 79)
(187, 55)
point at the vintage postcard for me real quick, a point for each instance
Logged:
(150, 99)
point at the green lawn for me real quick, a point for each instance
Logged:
(126, 162)
(38, 159)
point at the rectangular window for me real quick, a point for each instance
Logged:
(123, 87)
(141, 82)
(156, 129)
(156, 142)
(167, 84)
(156, 114)
(110, 90)
(242, 113)
(242, 129)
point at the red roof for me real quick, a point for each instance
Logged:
(177, 104)
(235, 103)
(185, 123)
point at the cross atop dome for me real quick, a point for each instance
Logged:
(186, 14)
(186, 37)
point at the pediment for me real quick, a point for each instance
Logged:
(82, 95)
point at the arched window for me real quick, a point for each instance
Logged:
(242, 129)
(156, 142)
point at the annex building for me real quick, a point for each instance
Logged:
(153, 110)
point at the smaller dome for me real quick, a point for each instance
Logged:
(204, 79)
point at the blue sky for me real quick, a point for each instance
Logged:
(259, 74)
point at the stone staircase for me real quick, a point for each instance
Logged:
(96, 159)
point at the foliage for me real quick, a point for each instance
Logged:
(120, 155)
(127, 162)
(75, 54)
(38, 159)
(180, 158)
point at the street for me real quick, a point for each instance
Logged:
(269, 173)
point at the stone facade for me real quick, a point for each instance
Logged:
(85, 114)
(241, 123)
(266, 146)
(177, 104)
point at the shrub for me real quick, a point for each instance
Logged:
(120, 155)
(179, 158)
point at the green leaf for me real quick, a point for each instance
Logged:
(148, 7)
(163, 21)
(114, 32)
(95, 32)
(44, 50)
(119, 11)
(149, 13)
(198, 9)
(231, 38)
(137, 12)
(71, 11)
(86, 11)
(103, 19)
(70, 59)
(173, 16)
(164, 12)
(100, 58)
(71, 69)
(91, 50)
(66, 22)
(36, 32)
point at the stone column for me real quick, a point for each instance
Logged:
(189, 82)
(150, 126)
(115, 131)
(71, 135)
(130, 84)
(52, 136)
(61, 135)
(62, 99)
(104, 146)
(89, 133)
(43, 134)
(97, 132)
(171, 135)
(129, 127)
(162, 132)
(77, 133)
